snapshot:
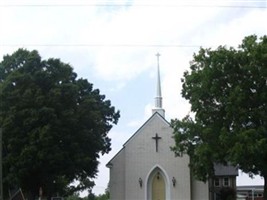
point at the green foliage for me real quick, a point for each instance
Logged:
(227, 90)
(74, 196)
(102, 197)
(54, 125)
(91, 196)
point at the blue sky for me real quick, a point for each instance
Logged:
(113, 44)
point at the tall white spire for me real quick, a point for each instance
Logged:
(158, 99)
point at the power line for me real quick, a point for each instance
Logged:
(140, 5)
(105, 45)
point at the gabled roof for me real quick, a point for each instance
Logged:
(156, 114)
(222, 170)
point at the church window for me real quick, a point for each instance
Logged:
(217, 182)
(226, 182)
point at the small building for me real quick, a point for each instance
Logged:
(250, 192)
(224, 177)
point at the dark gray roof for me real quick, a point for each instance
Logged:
(225, 170)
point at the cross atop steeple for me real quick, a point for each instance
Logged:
(158, 99)
(158, 55)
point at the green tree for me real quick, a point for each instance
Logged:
(103, 197)
(227, 193)
(91, 196)
(54, 125)
(227, 90)
(74, 196)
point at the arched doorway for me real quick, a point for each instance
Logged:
(157, 187)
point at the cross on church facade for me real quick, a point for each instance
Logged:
(156, 138)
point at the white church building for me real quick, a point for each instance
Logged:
(146, 169)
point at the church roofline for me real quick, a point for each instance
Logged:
(109, 164)
(138, 130)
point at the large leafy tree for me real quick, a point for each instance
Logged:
(54, 125)
(227, 90)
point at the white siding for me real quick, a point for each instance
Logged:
(200, 190)
(117, 177)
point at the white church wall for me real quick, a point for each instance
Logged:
(117, 178)
(141, 157)
(200, 190)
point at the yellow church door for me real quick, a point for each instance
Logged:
(158, 187)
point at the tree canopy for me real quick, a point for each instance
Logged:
(55, 125)
(227, 90)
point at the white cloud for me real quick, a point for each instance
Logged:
(119, 65)
(135, 123)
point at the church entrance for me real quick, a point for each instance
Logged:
(158, 187)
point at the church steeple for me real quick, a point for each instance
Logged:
(158, 99)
